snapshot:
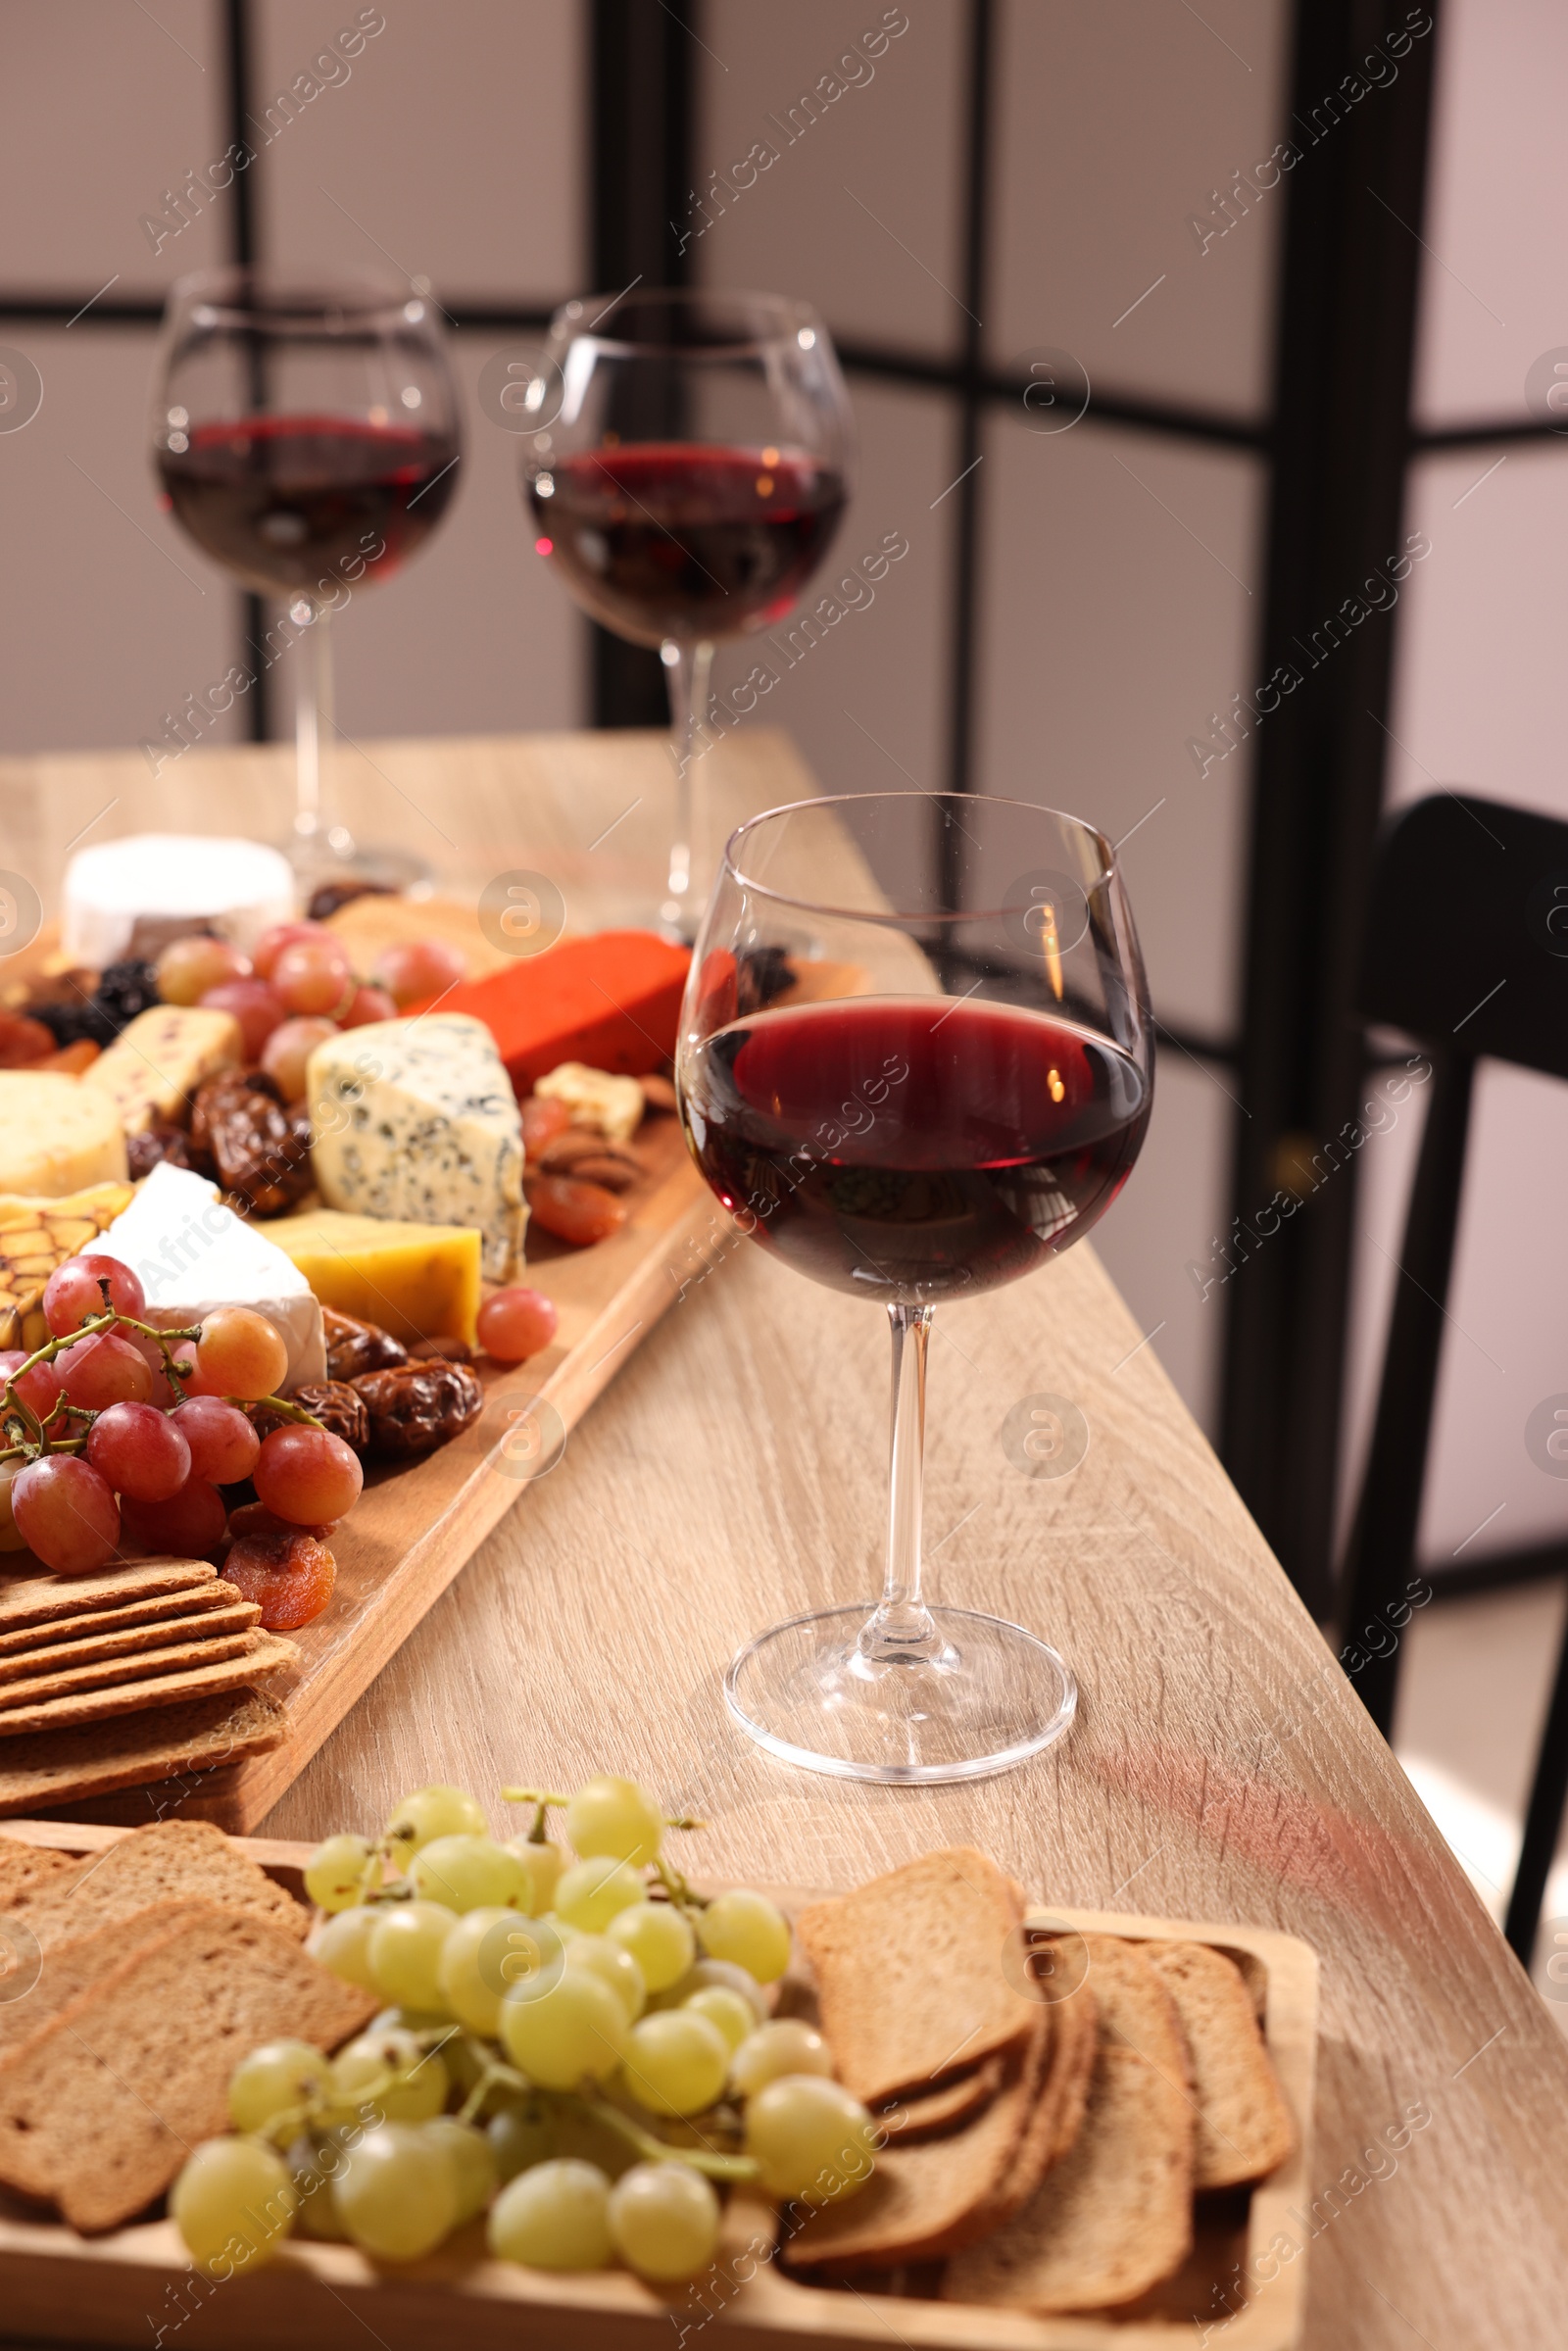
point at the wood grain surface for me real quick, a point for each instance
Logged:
(1221, 1767)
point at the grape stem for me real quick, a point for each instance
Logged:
(645, 2143)
(676, 1887)
(15, 1412)
(653, 2150)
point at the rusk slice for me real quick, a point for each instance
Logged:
(931, 2111)
(100, 2109)
(186, 1860)
(1114, 2215)
(1244, 2125)
(929, 2199)
(79, 1966)
(910, 1972)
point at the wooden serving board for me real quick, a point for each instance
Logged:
(126, 2286)
(413, 1528)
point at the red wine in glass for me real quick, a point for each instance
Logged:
(687, 540)
(286, 502)
(912, 1150)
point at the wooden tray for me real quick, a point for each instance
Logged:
(138, 2286)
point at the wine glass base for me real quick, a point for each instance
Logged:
(995, 1695)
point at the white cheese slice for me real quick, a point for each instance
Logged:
(240, 888)
(416, 1120)
(192, 1255)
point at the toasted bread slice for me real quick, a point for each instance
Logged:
(74, 1968)
(25, 1866)
(929, 2112)
(100, 2109)
(192, 1859)
(1113, 2216)
(910, 1972)
(1244, 2125)
(929, 2199)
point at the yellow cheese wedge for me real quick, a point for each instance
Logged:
(417, 1281)
(37, 1235)
(158, 1059)
(55, 1135)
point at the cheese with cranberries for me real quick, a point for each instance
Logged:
(415, 1119)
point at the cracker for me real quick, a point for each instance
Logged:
(88, 1647)
(44, 1680)
(184, 1603)
(36, 1600)
(163, 1689)
(135, 1750)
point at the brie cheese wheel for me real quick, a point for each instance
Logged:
(194, 1254)
(170, 881)
(416, 1120)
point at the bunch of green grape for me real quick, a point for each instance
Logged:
(553, 2028)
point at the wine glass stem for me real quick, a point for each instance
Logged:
(313, 725)
(902, 1631)
(688, 666)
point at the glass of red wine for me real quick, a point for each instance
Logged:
(689, 471)
(306, 437)
(913, 1099)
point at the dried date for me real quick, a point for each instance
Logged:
(442, 1349)
(582, 1151)
(418, 1406)
(261, 1153)
(146, 1151)
(354, 1347)
(338, 1408)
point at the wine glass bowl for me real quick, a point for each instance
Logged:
(306, 437)
(912, 1103)
(687, 476)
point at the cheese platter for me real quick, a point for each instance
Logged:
(442, 1228)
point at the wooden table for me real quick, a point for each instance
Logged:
(1220, 1768)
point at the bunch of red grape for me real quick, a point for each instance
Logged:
(300, 987)
(113, 1431)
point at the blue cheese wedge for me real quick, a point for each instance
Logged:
(194, 1254)
(416, 1120)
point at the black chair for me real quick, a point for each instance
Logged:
(1467, 951)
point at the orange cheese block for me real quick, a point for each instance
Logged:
(612, 1001)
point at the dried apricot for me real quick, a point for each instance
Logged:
(288, 1575)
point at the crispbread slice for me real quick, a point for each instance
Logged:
(100, 2109)
(267, 1656)
(73, 1968)
(136, 1616)
(1113, 2215)
(135, 1750)
(929, 2199)
(36, 1600)
(188, 1859)
(37, 1679)
(1244, 2125)
(931, 2111)
(910, 1972)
